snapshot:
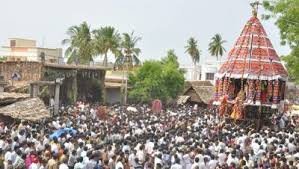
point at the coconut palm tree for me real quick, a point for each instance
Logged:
(194, 52)
(170, 57)
(216, 46)
(106, 39)
(129, 52)
(80, 48)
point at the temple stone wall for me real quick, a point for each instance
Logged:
(27, 71)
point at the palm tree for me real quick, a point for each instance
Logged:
(80, 48)
(194, 52)
(129, 52)
(216, 46)
(127, 56)
(106, 39)
(171, 57)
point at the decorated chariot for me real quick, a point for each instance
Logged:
(251, 82)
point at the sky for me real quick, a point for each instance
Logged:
(162, 24)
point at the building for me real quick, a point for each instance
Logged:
(197, 92)
(204, 71)
(114, 84)
(79, 82)
(191, 73)
(209, 70)
(27, 50)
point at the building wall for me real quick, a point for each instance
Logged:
(189, 72)
(209, 69)
(52, 55)
(28, 71)
(113, 95)
(22, 42)
(31, 54)
(26, 50)
(201, 71)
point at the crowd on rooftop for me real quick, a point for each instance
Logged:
(177, 138)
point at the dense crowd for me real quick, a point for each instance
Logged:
(178, 138)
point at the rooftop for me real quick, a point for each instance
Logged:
(21, 39)
(71, 66)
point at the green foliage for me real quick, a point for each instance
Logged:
(129, 52)
(192, 50)
(171, 57)
(84, 44)
(157, 80)
(216, 46)
(106, 39)
(3, 58)
(292, 64)
(286, 13)
(80, 48)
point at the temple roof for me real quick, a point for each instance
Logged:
(253, 56)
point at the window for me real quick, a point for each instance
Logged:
(210, 76)
(12, 43)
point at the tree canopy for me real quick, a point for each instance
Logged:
(157, 80)
(84, 44)
(129, 51)
(106, 39)
(192, 50)
(216, 46)
(80, 48)
(286, 14)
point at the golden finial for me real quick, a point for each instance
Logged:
(255, 6)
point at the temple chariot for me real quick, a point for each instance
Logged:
(251, 82)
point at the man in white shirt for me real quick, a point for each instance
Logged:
(119, 164)
(213, 162)
(158, 160)
(132, 157)
(177, 164)
(126, 147)
(222, 157)
(255, 146)
(232, 159)
(63, 166)
(79, 164)
(7, 157)
(149, 146)
(195, 163)
(291, 146)
(204, 164)
(140, 154)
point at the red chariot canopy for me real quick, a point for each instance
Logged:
(253, 56)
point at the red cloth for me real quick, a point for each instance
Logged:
(156, 106)
(223, 106)
(264, 97)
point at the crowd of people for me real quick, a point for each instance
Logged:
(114, 138)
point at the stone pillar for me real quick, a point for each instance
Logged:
(103, 88)
(1, 88)
(74, 88)
(2, 83)
(105, 95)
(56, 96)
(34, 90)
